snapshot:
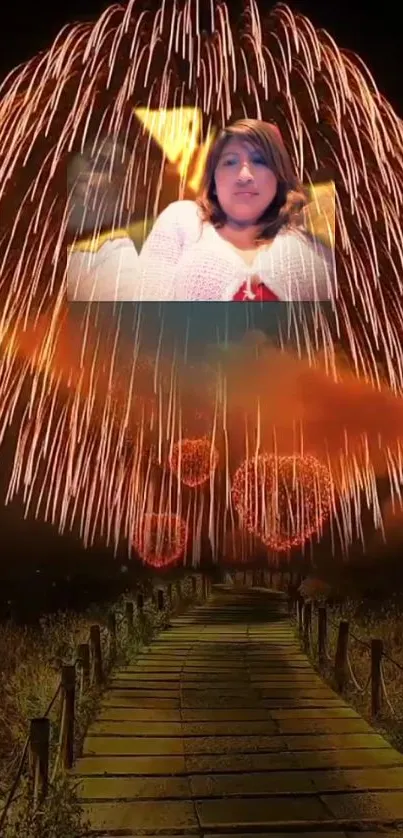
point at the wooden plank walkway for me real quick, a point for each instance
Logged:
(223, 728)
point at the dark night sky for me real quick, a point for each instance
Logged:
(372, 31)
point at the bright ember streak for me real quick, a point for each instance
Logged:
(83, 456)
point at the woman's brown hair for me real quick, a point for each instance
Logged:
(290, 197)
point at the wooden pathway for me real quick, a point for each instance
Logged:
(223, 728)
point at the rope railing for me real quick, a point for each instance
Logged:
(94, 660)
(340, 661)
(337, 659)
(361, 688)
(392, 708)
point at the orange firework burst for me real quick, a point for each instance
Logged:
(193, 461)
(160, 539)
(284, 500)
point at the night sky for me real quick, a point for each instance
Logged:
(371, 32)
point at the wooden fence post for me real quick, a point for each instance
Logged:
(96, 655)
(83, 660)
(39, 738)
(291, 603)
(322, 634)
(68, 699)
(178, 588)
(160, 599)
(376, 684)
(194, 587)
(297, 610)
(112, 635)
(307, 620)
(340, 664)
(300, 603)
(169, 594)
(129, 614)
(140, 611)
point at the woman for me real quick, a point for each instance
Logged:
(101, 258)
(242, 239)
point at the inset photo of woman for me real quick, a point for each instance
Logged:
(253, 232)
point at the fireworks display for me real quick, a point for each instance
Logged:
(90, 401)
(193, 461)
(283, 500)
(161, 539)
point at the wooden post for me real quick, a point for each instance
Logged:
(307, 622)
(160, 599)
(290, 602)
(376, 685)
(297, 610)
(169, 594)
(178, 588)
(112, 635)
(129, 613)
(141, 617)
(96, 655)
(322, 634)
(300, 604)
(39, 738)
(194, 587)
(83, 660)
(68, 699)
(340, 664)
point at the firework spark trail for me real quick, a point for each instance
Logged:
(89, 465)
(87, 459)
(330, 113)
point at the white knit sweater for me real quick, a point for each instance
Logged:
(184, 259)
(102, 270)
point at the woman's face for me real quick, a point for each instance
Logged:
(244, 183)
